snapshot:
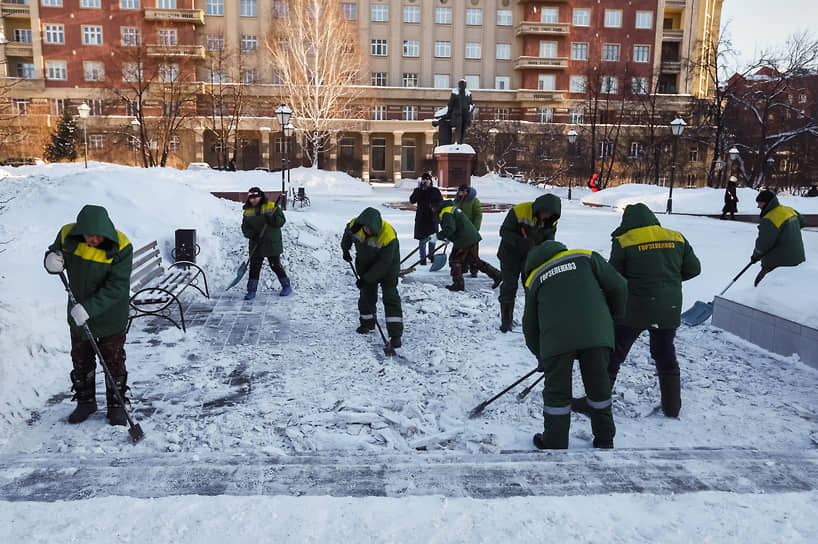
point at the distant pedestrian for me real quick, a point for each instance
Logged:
(231, 166)
(779, 241)
(261, 223)
(466, 199)
(456, 227)
(593, 183)
(730, 199)
(425, 196)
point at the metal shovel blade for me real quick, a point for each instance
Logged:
(136, 433)
(697, 314)
(438, 262)
(239, 275)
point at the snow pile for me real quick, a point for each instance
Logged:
(315, 182)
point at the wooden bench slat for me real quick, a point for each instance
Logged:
(152, 255)
(145, 248)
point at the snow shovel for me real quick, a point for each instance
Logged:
(411, 268)
(439, 261)
(480, 407)
(135, 430)
(701, 311)
(387, 346)
(242, 269)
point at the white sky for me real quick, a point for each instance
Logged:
(756, 24)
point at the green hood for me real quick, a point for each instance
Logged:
(94, 221)
(371, 218)
(542, 253)
(635, 216)
(771, 205)
(443, 204)
(549, 204)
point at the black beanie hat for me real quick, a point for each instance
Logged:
(254, 192)
(463, 187)
(765, 196)
(426, 175)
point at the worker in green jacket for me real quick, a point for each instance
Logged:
(655, 261)
(779, 241)
(466, 199)
(98, 260)
(526, 225)
(377, 260)
(571, 300)
(261, 224)
(456, 228)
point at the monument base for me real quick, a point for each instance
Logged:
(454, 164)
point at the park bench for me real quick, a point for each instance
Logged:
(155, 291)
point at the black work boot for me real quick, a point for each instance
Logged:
(84, 388)
(116, 409)
(671, 389)
(366, 326)
(458, 284)
(603, 444)
(496, 276)
(395, 342)
(506, 315)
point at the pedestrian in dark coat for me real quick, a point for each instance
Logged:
(456, 228)
(261, 223)
(425, 196)
(730, 199)
(98, 260)
(779, 241)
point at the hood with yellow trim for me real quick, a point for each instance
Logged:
(94, 221)
(635, 216)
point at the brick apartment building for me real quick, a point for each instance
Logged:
(526, 62)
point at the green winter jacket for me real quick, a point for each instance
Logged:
(779, 241)
(377, 257)
(655, 262)
(456, 227)
(571, 300)
(266, 213)
(471, 207)
(100, 277)
(522, 219)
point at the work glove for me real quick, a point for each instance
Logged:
(755, 258)
(360, 283)
(540, 365)
(54, 262)
(347, 256)
(355, 227)
(79, 315)
(525, 245)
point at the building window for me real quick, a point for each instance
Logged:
(54, 34)
(89, 4)
(613, 18)
(216, 77)
(131, 37)
(547, 82)
(609, 85)
(380, 13)
(167, 36)
(694, 154)
(21, 106)
(411, 14)
(379, 79)
(249, 76)
(215, 42)
(94, 71)
(610, 52)
(96, 141)
(577, 84)
(56, 106)
(691, 181)
(443, 16)
(215, 8)
(474, 17)
(639, 85)
(409, 79)
(131, 72)
(411, 48)
(378, 48)
(582, 17)
(644, 19)
(502, 83)
(129, 4)
(379, 113)
(281, 9)
(504, 17)
(579, 51)
(576, 116)
(248, 8)
(472, 81)
(168, 73)
(281, 149)
(443, 49)
(549, 15)
(503, 51)
(91, 35)
(473, 50)
(166, 4)
(52, 3)
(802, 98)
(636, 150)
(379, 154)
(409, 113)
(249, 43)
(350, 11)
(545, 115)
(174, 144)
(442, 81)
(407, 155)
(501, 114)
(56, 69)
(605, 150)
(641, 53)
(548, 50)
(22, 35)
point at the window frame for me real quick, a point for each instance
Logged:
(56, 64)
(585, 15)
(612, 12)
(581, 46)
(442, 47)
(474, 17)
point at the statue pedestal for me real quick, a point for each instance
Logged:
(453, 167)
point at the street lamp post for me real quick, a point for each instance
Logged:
(288, 132)
(770, 168)
(84, 109)
(572, 140)
(135, 124)
(734, 155)
(677, 126)
(283, 114)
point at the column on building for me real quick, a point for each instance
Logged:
(199, 144)
(332, 163)
(429, 144)
(264, 146)
(397, 147)
(365, 154)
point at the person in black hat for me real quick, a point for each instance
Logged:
(262, 224)
(425, 196)
(779, 241)
(730, 199)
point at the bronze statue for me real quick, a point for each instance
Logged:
(457, 115)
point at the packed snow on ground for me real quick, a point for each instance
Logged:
(325, 389)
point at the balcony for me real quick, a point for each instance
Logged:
(192, 51)
(673, 34)
(533, 95)
(524, 63)
(15, 11)
(193, 16)
(19, 83)
(535, 28)
(675, 4)
(671, 66)
(19, 49)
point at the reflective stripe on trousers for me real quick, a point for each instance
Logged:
(556, 410)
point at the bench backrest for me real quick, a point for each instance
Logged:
(147, 264)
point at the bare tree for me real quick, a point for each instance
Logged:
(317, 59)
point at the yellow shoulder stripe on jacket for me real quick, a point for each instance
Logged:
(88, 253)
(650, 236)
(555, 261)
(266, 208)
(447, 209)
(525, 213)
(386, 235)
(780, 214)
